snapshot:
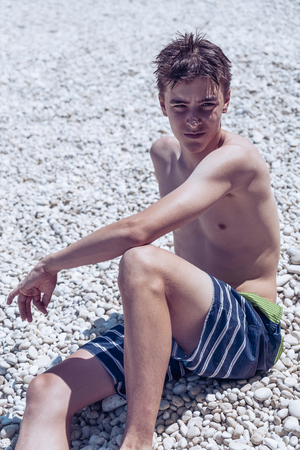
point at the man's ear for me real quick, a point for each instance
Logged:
(162, 104)
(226, 104)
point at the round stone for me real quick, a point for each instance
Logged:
(193, 432)
(262, 394)
(168, 443)
(290, 381)
(209, 433)
(177, 401)
(294, 253)
(271, 443)
(256, 438)
(172, 428)
(290, 423)
(294, 408)
(289, 339)
(210, 398)
(112, 402)
(164, 404)
(283, 413)
(236, 445)
(179, 389)
(8, 432)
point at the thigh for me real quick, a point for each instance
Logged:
(187, 289)
(81, 380)
(189, 293)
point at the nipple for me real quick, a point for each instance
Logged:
(222, 226)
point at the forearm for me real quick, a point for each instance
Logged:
(104, 244)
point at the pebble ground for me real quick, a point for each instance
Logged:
(78, 114)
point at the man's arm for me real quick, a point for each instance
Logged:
(214, 177)
(211, 180)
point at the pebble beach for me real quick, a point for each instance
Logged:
(78, 114)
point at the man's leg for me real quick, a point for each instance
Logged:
(163, 296)
(56, 395)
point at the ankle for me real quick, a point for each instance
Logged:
(135, 441)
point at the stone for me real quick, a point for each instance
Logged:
(293, 269)
(283, 413)
(271, 443)
(281, 280)
(32, 353)
(164, 404)
(290, 423)
(193, 432)
(42, 361)
(168, 443)
(237, 445)
(113, 402)
(262, 394)
(289, 339)
(75, 157)
(172, 428)
(177, 401)
(256, 438)
(294, 253)
(294, 408)
(179, 389)
(8, 431)
(182, 443)
(290, 382)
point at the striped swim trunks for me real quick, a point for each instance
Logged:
(241, 335)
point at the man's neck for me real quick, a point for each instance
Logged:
(192, 159)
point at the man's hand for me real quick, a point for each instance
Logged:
(37, 282)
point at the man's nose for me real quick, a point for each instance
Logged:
(193, 121)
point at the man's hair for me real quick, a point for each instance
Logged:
(188, 57)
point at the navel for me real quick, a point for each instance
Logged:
(222, 226)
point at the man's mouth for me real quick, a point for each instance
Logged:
(194, 135)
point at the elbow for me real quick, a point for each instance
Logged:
(137, 232)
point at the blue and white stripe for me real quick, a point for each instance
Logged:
(235, 342)
(229, 345)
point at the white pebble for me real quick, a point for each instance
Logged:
(193, 432)
(290, 423)
(271, 443)
(294, 408)
(262, 394)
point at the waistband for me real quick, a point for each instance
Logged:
(272, 311)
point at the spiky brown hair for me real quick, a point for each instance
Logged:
(190, 56)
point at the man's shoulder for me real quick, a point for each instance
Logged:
(164, 148)
(241, 150)
(236, 141)
(236, 159)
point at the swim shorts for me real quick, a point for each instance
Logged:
(241, 335)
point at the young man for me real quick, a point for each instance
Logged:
(216, 198)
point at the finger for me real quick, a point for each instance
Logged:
(28, 309)
(22, 306)
(46, 299)
(39, 304)
(12, 295)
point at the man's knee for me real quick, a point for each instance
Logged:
(139, 259)
(47, 392)
(138, 263)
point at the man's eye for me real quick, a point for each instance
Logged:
(179, 106)
(208, 104)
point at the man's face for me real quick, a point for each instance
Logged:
(194, 110)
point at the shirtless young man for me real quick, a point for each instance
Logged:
(216, 198)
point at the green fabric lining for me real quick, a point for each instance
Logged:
(269, 309)
(272, 311)
(280, 350)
